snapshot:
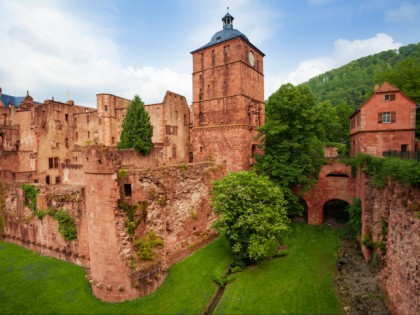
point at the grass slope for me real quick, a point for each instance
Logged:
(300, 283)
(33, 284)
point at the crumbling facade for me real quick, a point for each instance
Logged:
(118, 198)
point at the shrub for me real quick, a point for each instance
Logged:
(252, 214)
(132, 212)
(367, 241)
(41, 214)
(30, 192)
(355, 216)
(121, 174)
(66, 225)
(146, 244)
(400, 170)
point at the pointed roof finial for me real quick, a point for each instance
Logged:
(228, 9)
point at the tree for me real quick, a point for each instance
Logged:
(253, 214)
(137, 131)
(328, 119)
(405, 76)
(291, 136)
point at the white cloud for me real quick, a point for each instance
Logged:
(49, 50)
(405, 12)
(344, 52)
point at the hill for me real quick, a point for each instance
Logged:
(354, 82)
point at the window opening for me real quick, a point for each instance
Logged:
(127, 190)
(389, 97)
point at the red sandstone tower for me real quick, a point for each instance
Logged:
(228, 98)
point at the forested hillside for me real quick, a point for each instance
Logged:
(354, 82)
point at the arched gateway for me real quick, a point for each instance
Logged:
(335, 181)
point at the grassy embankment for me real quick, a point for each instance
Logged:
(32, 284)
(300, 283)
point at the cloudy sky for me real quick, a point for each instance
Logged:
(78, 48)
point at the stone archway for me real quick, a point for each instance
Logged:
(335, 181)
(335, 212)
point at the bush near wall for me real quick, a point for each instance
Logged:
(380, 169)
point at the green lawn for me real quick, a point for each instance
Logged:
(32, 284)
(300, 283)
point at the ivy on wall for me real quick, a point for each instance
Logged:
(30, 192)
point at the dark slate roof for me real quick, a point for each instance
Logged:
(11, 100)
(227, 33)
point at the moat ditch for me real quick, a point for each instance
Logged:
(355, 281)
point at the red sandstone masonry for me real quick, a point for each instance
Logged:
(396, 205)
(328, 188)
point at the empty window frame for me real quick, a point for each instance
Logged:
(53, 162)
(127, 190)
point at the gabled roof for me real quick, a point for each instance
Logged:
(386, 87)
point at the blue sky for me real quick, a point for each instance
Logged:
(57, 48)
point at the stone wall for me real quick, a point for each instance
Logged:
(23, 227)
(391, 218)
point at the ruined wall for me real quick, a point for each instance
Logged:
(177, 127)
(176, 205)
(172, 202)
(391, 218)
(22, 226)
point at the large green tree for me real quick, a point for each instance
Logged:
(137, 131)
(253, 214)
(291, 135)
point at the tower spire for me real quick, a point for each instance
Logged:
(227, 20)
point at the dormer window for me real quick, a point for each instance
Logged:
(389, 97)
(218, 39)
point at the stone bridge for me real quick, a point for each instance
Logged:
(335, 181)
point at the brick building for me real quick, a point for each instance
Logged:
(386, 121)
(228, 98)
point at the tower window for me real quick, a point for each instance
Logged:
(127, 190)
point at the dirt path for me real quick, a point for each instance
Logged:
(356, 283)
